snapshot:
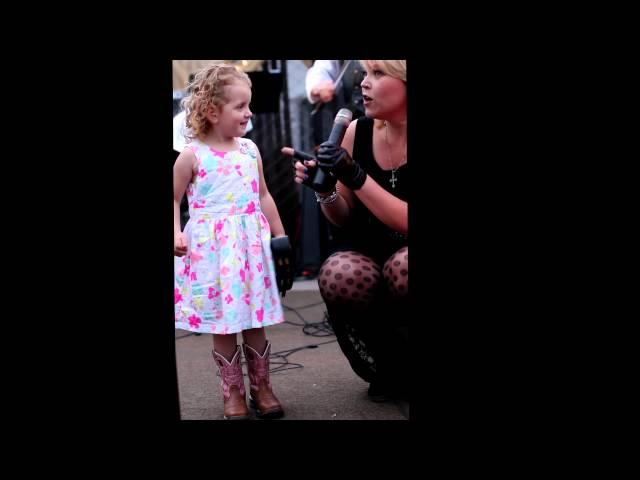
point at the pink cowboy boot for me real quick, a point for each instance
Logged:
(261, 396)
(235, 401)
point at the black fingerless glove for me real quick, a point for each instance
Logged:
(283, 259)
(329, 181)
(337, 161)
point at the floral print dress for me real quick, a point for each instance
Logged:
(226, 281)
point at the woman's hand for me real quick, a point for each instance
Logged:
(337, 160)
(179, 244)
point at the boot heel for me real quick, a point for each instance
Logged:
(261, 396)
(271, 414)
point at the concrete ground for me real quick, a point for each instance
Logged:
(309, 373)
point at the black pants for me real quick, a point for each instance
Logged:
(375, 342)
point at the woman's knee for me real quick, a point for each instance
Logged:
(348, 278)
(396, 272)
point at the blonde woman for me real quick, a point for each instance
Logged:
(364, 283)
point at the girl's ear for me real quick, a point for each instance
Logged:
(212, 114)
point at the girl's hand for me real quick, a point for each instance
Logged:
(179, 244)
(283, 260)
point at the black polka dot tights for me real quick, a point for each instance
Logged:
(351, 278)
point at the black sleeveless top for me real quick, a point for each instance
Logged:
(365, 233)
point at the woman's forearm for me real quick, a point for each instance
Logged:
(337, 212)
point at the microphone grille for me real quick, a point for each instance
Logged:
(344, 116)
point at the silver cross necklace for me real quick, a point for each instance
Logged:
(393, 178)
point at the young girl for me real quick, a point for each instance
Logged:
(225, 280)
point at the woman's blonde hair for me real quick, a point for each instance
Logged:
(394, 68)
(206, 90)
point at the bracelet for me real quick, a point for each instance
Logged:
(332, 197)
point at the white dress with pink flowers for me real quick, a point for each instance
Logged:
(226, 282)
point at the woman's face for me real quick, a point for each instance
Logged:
(384, 96)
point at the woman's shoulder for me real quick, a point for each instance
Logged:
(362, 135)
(359, 127)
(365, 122)
(364, 126)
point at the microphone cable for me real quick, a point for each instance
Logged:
(314, 329)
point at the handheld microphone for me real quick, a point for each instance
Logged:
(340, 124)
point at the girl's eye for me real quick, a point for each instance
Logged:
(378, 73)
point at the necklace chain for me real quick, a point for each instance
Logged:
(393, 178)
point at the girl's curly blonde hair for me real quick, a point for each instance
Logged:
(206, 90)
